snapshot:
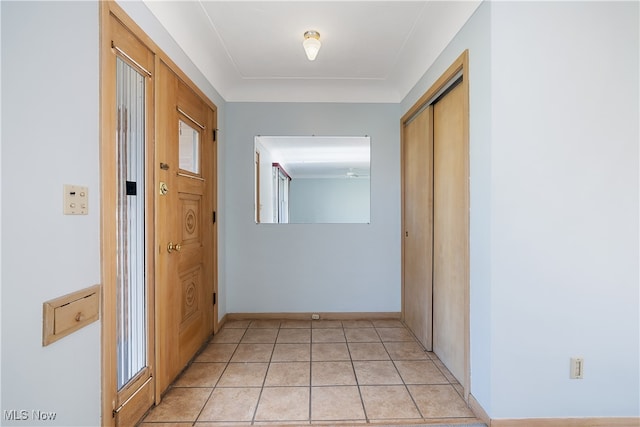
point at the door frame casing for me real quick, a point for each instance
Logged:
(114, 30)
(109, 10)
(460, 67)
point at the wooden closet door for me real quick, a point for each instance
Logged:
(417, 160)
(450, 231)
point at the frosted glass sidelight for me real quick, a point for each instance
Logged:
(131, 279)
(189, 148)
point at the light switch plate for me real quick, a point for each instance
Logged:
(76, 200)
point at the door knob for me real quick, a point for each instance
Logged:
(174, 247)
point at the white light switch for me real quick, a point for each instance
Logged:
(76, 200)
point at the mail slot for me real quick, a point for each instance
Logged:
(67, 314)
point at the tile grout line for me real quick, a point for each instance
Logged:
(264, 380)
(220, 377)
(406, 387)
(364, 409)
(218, 380)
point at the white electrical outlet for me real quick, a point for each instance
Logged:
(315, 317)
(577, 368)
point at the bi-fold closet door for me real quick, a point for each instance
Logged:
(435, 221)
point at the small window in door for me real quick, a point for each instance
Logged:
(189, 147)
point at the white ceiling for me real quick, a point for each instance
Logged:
(372, 51)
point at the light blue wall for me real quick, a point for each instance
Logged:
(313, 267)
(564, 246)
(49, 138)
(329, 200)
(554, 205)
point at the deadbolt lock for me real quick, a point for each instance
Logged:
(163, 188)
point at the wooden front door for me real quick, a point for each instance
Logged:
(186, 279)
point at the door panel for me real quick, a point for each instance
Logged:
(450, 232)
(127, 201)
(417, 218)
(185, 230)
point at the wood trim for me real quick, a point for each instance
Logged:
(568, 422)
(460, 65)
(107, 240)
(478, 410)
(307, 316)
(222, 321)
(279, 166)
(480, 413)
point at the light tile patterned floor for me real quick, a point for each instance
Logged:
(265, 372)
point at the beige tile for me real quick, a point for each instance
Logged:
(332, 373)
(281, 423)
(357, 324)
(323, 324)
(201, 375)
(420, 372)
(388, 402)
(329, 352)
(283, 404)
(327, 335)
(439, 401)
(336, 403)
(342, 423)
(387, 323)
(243, 375)
(189, 424)
(265, 323)
(294, 336)
(253, 353)
(291, 353)
(288, 374)
(288, 324)
(231, 404)
(405, 351)
(395, 334)
(260, 336)
(217, 353)
(220, 424)
(233, 324)
(228, 336)
(362, 335)
(180, 404)
(376, 373)
(368, 351)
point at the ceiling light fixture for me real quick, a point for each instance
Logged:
(311, 44)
